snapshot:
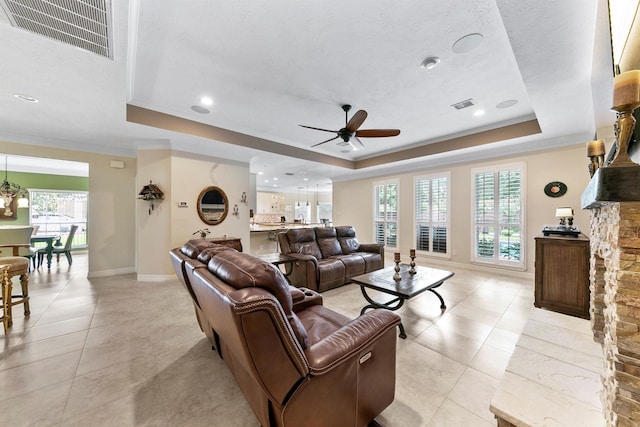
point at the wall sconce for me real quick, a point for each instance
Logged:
(235, 210)
(151, 193)
(566, 216)
(243, 198)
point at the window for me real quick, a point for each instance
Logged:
(386, 213)
(55, 211)
(432, 213)
(499, 215)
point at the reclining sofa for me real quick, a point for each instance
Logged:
(297, 362)
(328, 257)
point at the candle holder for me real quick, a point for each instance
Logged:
(396, 275)
(595, 153)
(412, 270)
(623, 130)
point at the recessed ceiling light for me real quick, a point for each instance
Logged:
(266, 180)
(275, 179)
(478, 113)
(467, 43)
(199, 109)
(260, 173)
(306, 179)
(507, 104)
(25, 97)
(430, 62)
(205, 100)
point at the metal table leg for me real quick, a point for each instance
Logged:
(388, 305)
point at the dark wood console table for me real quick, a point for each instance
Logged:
(233, 242)
(562, 274)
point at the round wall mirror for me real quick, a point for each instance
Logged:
(212, 205)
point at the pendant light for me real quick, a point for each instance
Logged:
(307, 195)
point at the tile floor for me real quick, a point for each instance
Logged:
(118, 352)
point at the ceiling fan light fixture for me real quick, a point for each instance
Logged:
(356, 144)
(430, 62)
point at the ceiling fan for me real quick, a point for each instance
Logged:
(350, 133)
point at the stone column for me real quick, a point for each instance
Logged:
(615, 307)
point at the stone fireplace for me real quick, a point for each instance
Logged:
(613, 196)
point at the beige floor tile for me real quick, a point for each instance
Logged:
(27, 378)
(43, 349)
(100, 387)
(503, 339)
(55, 329)
(491, 361)
(42, 407)
(474, 392)
(451, 414)
(419, 365)
(448, 343)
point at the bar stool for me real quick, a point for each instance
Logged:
(9, 267)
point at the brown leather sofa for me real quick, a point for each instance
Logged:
(196, 254)
(328, 257)
(297, 364)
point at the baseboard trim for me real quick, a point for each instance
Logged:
(109, 273)
(155, 278)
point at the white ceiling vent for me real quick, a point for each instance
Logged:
(464, 104)
(82, 23)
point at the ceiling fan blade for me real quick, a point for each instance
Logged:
(320, 143)
(325, 130)
(377, 133)
(356, 120)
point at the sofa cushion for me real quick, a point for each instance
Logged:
(328, 242)
(242, 270)
(346, 235)
(330, 274)
(354, 265)
(206, 254)
(193, 247)
(303, 241)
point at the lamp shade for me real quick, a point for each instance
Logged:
(564, 212)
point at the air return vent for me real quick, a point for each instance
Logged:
(464, 104)
(82, 23)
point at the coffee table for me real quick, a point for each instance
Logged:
(409, 285)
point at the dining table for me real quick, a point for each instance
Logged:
(51, 240)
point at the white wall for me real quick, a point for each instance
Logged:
(353, 200)
(190, 174)
(112, 197)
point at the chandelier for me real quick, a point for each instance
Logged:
(9, 191)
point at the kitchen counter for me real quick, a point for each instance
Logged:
(278, 226)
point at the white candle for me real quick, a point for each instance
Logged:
(626, 88)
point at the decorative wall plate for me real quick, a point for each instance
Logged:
(555, 189)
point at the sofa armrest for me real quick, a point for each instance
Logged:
(347, 341)
(375, 248)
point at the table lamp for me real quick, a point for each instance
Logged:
(566, 216)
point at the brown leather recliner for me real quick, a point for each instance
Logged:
(328, 257)
(298, 367)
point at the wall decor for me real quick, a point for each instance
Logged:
(555, 189)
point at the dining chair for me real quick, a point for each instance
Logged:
(66, 249)
(16, 241)
(10, 267)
